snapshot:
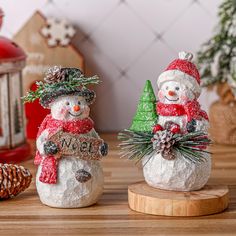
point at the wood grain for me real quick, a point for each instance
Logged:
(25, 215)
(209, 200)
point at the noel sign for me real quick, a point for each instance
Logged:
(81, 146)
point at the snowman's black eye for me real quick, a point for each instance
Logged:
(176, 88)
(167, 87)
(67, 103)
(79, 103)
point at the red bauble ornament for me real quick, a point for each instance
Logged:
(175, 129)
(157, 128)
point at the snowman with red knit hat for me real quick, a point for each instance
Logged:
(180, 113)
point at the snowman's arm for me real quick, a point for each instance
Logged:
(104, 146)
(93, 133)
(41, 140)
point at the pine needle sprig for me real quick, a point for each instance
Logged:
(70, 84)
(137, 145)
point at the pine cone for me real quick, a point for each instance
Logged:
(54, 75)
(163, 143)
(14, 179)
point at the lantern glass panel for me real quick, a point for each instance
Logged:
(4, 112)
(16, 116)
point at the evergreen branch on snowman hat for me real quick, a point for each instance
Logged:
(67, 80)
(137, 145)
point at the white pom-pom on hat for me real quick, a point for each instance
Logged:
(185, 56)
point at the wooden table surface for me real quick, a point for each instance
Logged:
(25, 215)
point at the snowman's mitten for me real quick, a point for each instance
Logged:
(202, 125)
(191, 126)
(104, 149)
(50, 148)
(41, 140)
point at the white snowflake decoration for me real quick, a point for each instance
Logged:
(58, 32)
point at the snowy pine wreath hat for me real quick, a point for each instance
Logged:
(183, 71)
(61, 82)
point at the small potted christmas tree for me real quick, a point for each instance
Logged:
(217, 63)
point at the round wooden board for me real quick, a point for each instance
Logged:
(209, 200)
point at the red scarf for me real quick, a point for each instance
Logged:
(191, 109)
(49, 163)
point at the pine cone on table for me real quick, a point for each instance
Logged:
(163, 143)
(14, 179)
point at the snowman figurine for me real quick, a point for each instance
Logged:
(179, 112)
(72, 180)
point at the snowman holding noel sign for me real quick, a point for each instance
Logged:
(68, 175)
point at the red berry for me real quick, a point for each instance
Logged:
(157, 128)
(175, 129)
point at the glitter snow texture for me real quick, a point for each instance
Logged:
(58, 183)
(178, 91)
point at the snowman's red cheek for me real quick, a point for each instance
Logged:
(86, 111)
(64, 110)
(160, 94)
(184, 98)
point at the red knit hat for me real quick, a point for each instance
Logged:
(183, 71)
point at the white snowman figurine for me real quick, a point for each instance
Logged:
(179, 112)
(67, 181)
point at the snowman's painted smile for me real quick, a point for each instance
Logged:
(174, 100)
(75, 115)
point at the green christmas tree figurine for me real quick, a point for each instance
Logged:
(146, 116)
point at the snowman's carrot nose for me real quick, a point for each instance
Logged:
(171, 93)
(76, 108)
